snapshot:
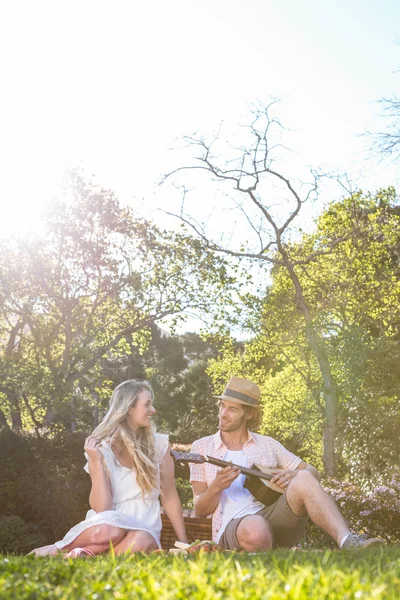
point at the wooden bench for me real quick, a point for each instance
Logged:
(197, 528)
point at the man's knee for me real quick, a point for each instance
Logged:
(106, 534)
(254, 533)
(304, 481)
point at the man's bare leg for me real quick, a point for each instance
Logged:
(305, 495)
(254, 533)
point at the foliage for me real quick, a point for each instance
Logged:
(18, 537)
(185, 492)
(176, 367)
(375, 512)
(355, 293)
(270, 576)
(268, 202)
(356, 290)
(43, 482)
(83, 294)
(44, 489)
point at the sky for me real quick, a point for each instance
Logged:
(112, 85)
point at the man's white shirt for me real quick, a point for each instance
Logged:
(236, 500)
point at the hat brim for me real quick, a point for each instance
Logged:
(237, 401)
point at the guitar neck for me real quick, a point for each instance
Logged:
(223, 463)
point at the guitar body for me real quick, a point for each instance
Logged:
(265, 492)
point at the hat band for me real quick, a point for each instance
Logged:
(240, 396)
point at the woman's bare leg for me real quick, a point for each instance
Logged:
(97, 539)
(136, 541)
(50, 550)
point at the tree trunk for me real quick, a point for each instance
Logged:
(95, 414)
(329, 385)
(3, 421)
(16, 420)
(50, 417)
(70, 387)
(330, 402)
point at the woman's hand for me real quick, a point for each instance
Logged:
(100, 498)
(92, 448)
(170, 498)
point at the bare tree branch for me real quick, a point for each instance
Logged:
(386, 143)
(255, 162)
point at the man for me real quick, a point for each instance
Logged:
(241, 522)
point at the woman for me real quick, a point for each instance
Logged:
(130, 466)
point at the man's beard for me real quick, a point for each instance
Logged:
(228, 427)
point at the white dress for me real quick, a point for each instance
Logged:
(130, 511)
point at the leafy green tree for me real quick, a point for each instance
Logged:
(85, 290)
(176, 366)
(354, 291)
(357, 291)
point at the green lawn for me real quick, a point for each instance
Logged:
(373, 573)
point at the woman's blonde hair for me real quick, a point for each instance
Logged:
(140, 443)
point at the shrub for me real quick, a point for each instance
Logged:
(375, 512)
(185, 493)
(43, 482)
(16, 536)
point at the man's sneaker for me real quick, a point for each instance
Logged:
(354, 541)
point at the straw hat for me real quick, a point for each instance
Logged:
(242, 391)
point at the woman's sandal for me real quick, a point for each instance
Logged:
(78, 552)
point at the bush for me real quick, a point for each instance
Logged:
(185, 493)
(375, 513)
(16, 536)
(43, 482)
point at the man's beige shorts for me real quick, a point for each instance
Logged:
(287, 529)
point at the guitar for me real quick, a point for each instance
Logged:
(258, 477)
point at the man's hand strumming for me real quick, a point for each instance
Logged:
(282, 477)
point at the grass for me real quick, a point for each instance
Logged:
(373, 573)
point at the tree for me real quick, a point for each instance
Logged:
(176, 366)
(269, 204)
(354, 291)
(97, 278)
(386, 142)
